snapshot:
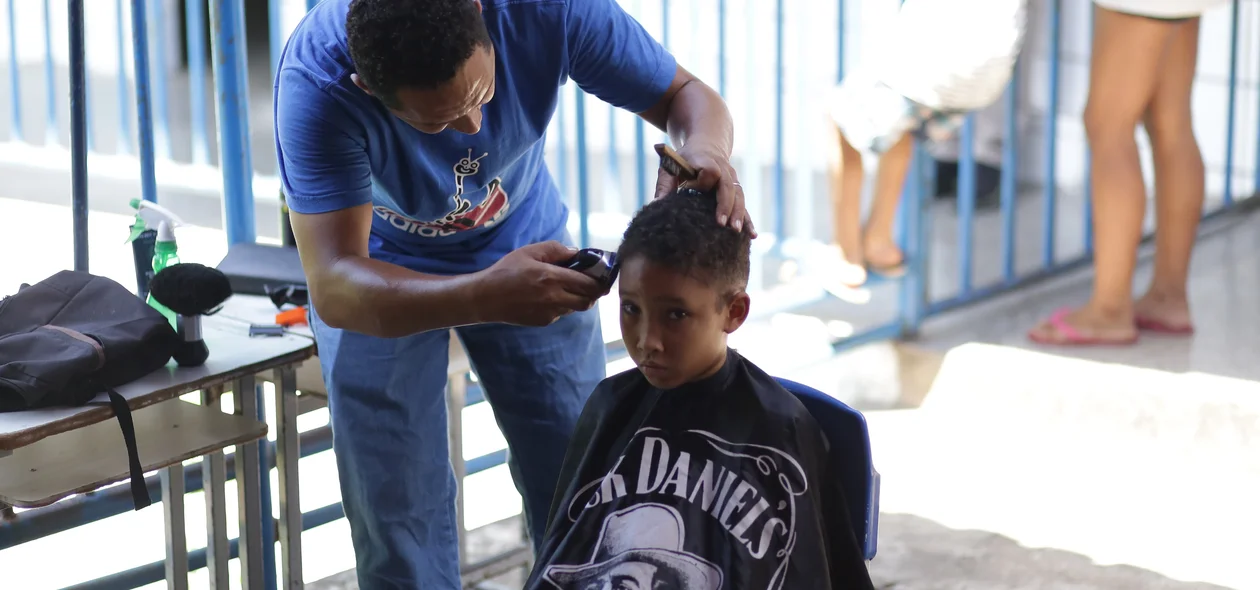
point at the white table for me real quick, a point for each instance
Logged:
(54, 453)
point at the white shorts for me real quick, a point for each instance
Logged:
(873, 116)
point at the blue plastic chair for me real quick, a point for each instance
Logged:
(850, 457)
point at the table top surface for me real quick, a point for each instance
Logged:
(233, 354)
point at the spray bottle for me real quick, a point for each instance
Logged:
(151, 216)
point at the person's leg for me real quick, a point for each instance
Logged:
(846, 208)
(1179, 184)
(537, 380)
(1124, 67)
(879, 244)
(388, 413)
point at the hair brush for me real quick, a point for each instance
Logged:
(190, 290)
(680, 168)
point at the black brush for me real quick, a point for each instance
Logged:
(191, 290)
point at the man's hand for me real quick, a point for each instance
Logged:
(527, 288)
(715, 171)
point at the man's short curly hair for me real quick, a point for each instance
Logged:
(412, 43)
(681, 232)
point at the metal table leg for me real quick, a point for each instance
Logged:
(287, 454)
(176, 534)
(456, 390)
(214, 477)
(249, 491)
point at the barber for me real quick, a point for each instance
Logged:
(410, 141)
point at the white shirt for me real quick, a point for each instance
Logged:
(1161, 8)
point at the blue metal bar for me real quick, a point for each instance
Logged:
(913, 287)
(274, 45)
(195, 23)
(124, 118)
(966, 202)
(78, 135)
(161, 61)
(840, 41)
(1087, 188)
(881, 333)
(780, 200)
(227, 21)
(144, 114)
(613, 180)
(1010, 175)
(1233, 107)
(15, 82)
(1052, 132)
(584, 196)
(640, 164)
(722, 47)
(50, 79)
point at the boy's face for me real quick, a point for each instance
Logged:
(673, 325)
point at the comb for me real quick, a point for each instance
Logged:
(675, 164)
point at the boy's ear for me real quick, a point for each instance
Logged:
(737, 311)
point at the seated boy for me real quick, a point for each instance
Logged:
(696, 470)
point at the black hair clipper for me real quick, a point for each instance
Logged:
(595, 263)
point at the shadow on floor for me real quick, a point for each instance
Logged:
(919, 554)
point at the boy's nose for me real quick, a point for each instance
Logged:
(649, 338)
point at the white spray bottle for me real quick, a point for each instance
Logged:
(150, 215)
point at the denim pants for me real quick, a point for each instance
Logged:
(388, 414)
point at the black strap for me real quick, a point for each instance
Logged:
(139, 491)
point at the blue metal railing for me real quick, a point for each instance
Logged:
(574, 167)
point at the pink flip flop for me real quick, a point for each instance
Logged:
(1070, 336)
(1157, 326)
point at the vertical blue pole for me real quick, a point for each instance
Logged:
(51, 132)
(1088, 189)
(227, 21)
(15, 83)
(195, 23)
(124, 121)
(1052, 112)
(161, 61)
(144, 113)
(780, 203)
(722, 47)
(840, 42)
(275, 45)
(966, 202)
(78, 135)
(614, 165)
(913, 287)
(1010, 162)
(640, 157)
(1233, 104)
(584, 196)
(665, 39)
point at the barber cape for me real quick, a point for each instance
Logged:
(721, 484)
(954, 55)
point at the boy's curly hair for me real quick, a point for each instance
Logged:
(680, 232)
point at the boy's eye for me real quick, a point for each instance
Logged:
(677, 314)
(629, 308)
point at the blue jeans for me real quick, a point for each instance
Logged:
(388, 413)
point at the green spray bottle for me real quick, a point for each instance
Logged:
(150, 215)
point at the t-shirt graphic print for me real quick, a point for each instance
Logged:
(718, 485)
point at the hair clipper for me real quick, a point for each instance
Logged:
(595, 263)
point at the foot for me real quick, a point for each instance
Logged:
(1158, 311)
(1085, 326)
(847, 269)
(883, 256)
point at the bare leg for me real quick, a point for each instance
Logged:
(1124, 67)
(1178, 183)
(846, 208)
(879, 246)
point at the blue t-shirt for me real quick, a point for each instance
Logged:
(452, 203)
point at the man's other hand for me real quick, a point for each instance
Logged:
(715, 171)
(527, 288)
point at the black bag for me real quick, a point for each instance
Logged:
(75, 335)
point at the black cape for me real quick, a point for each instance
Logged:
(721, 484)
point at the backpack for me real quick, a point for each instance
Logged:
(73, 336)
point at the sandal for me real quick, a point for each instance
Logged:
(1068, 335)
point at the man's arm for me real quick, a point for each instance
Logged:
(614, 58)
